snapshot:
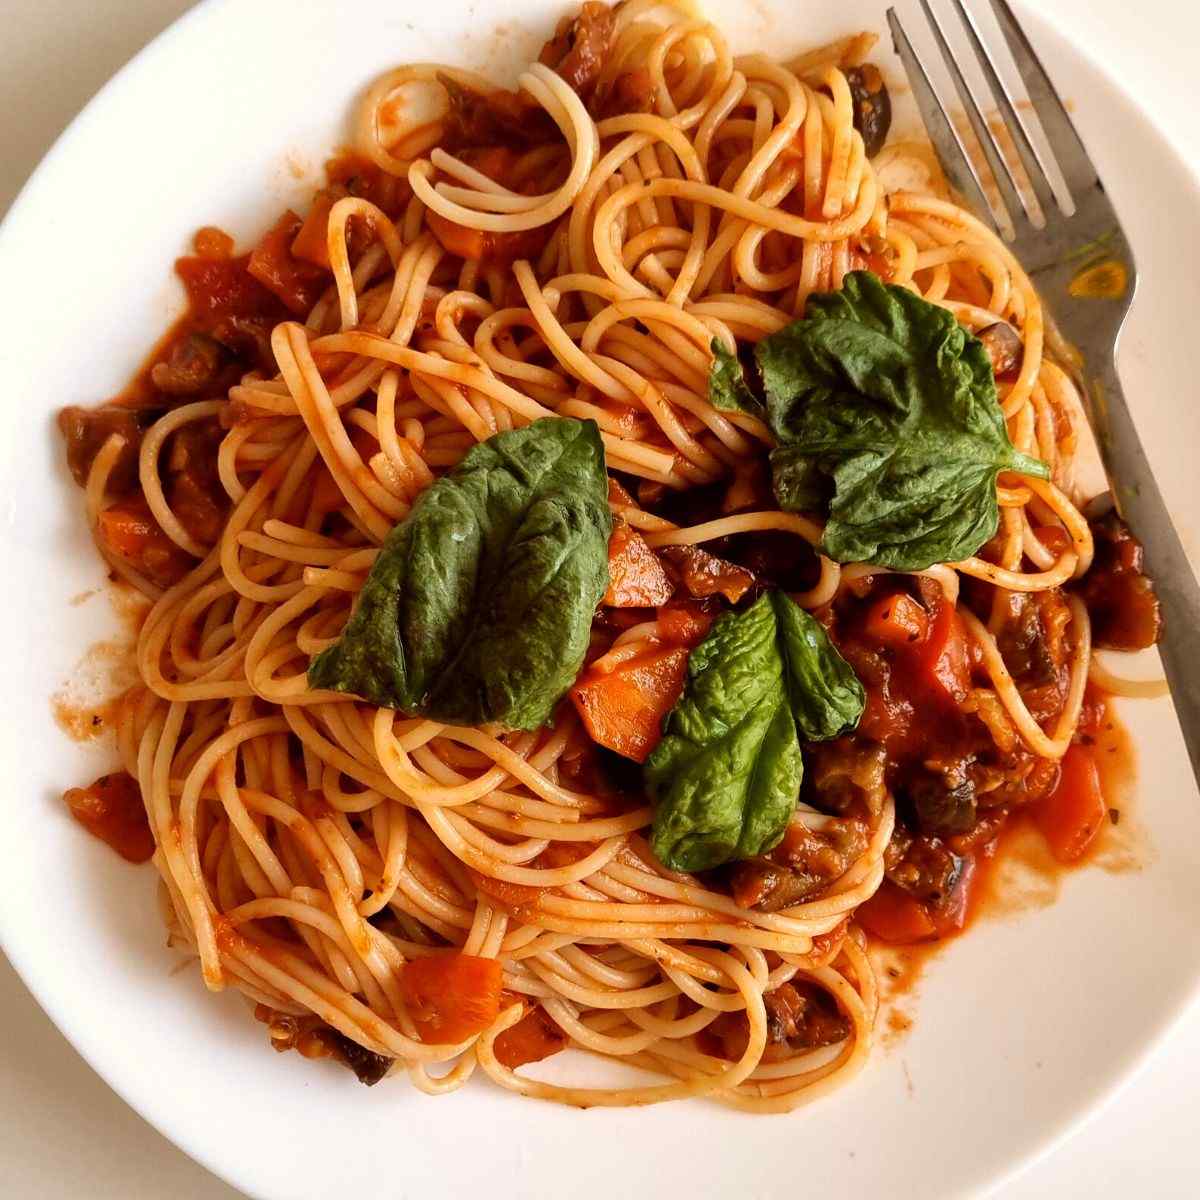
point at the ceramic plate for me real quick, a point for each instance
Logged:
(1020, 1030)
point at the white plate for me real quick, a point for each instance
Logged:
(1021, 1029)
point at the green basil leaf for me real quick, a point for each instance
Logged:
(886, 415)
(727, 386)
(480, 604)
(726, 776)
(825, 695)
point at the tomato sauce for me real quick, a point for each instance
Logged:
(1016, 873)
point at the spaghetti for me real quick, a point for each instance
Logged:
(574, 249)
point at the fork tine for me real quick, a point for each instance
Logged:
(1069, 150)
(1030, 159)
(1004, 178)
(951, 152)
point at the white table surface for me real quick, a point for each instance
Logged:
(63, 1133)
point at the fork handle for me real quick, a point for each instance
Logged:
(1139, 501)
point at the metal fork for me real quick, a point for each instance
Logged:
(1057, 256)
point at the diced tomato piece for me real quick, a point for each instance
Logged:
(311, 243)
(128, 530)
(112, 810)
(897, 621)
(193, 502)
(892, 915)
(636, 578)
(534, 1037)
(513, 896)
(623, 709)
(211, 242)
(297, 283)
(470, 244)
(1072, 814)
(451, 997)
(477, 245)
(944, 670)
(496, 162)
(224, 287)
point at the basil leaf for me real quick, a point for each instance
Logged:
(886, 417)
(479, 606)
(727, 386)
(825, 695)
(726, 776)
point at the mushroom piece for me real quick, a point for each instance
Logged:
(872, 106)
(1003, 345)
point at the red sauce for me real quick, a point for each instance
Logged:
(1016, 872)
(112, 810)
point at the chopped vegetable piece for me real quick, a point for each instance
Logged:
(1073, 814)
(623, 709)
(704, 574)
(534, 1037)
(684, 623)
(297, 283)
(128, 530)
(636, 578)
(897, 621)
(478, 245)
(944, 671)
(112, 810)
(451, 997)
(894, 916)
(312, 242)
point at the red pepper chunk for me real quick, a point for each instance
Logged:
(943, 670)
(897, 621)
(451, 997)
(623, 709)
(129, 531)
(297, 283)
(531, 1039)
(480, 245)
(1073, 813)
(892, 915)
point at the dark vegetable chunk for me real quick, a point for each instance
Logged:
(1120, 598)
(872, 106)
(922, 866)
(580, 46)
(85, 431)
(366, 1064)
(192, 368)
(703, 574)
(804, 1015)
(1003, 345)
(941, 805)
(804, 864)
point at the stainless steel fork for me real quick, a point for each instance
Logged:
(1059, 257)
